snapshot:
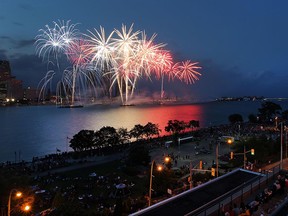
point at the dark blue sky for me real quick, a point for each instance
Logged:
(242, 45)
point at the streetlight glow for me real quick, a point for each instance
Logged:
(167, 159)
(18, 194)
(158, 168)
(27, 208)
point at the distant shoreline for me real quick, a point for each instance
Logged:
(145, 101)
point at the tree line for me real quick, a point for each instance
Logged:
(267, 113)
(267, 141)
(108, 136)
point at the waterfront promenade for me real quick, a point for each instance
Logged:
(191, 151)
(184, 154)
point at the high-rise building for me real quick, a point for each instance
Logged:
(10, 87)
(5, 70)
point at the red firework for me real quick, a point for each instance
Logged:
(163, 62)
(77, 52)
(186, 71)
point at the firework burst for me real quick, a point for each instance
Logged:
(77, 52)
(117, 60)
(186, 72)
(163, 65)
(55, 40)
(101, 49)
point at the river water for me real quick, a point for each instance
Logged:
(29, 131)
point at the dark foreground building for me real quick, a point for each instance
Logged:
(208, 198)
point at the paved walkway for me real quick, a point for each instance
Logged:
(93, 162)
(186, 153)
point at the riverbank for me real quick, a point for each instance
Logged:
(199, 144)
(41, 130)
(52, 174)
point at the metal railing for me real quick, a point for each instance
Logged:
(238, 194)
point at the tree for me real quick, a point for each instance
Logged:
(83, 140)
(109, 136)
(137, 131)
(193, 124)
(151, 130)
(235, 118)
(138, 155)
(285, 115)
(162, 181)
(264, 148)
(124, 135)
(252, 118)
(268, 111)
(175, 126)
(98, 144)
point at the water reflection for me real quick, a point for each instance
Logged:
(127, 117)
(36, 131)
(161, 115)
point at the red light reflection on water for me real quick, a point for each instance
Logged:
(162, 114)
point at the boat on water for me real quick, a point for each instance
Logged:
(127, 105)
(70, 106)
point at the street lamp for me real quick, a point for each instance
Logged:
(26, 208)
(217, 155)
(285, 129)
(18, 194)
(167, 159)
(159, 168)
(281, 141)
(229, 142)
(244, 153)
(167, 162)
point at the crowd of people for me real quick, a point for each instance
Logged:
(58, 160)
(265, 202)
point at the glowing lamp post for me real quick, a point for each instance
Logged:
(229, 142)
(281, 141)
(159, 168)
(18, 194)
(26, 208)
(167, 159)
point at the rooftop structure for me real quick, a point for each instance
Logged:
(203, 197)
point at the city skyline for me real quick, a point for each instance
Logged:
(241, 46)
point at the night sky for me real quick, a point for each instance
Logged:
(241, 45)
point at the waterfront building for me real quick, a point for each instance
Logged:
(10, 88)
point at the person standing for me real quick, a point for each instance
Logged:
(236, 209)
